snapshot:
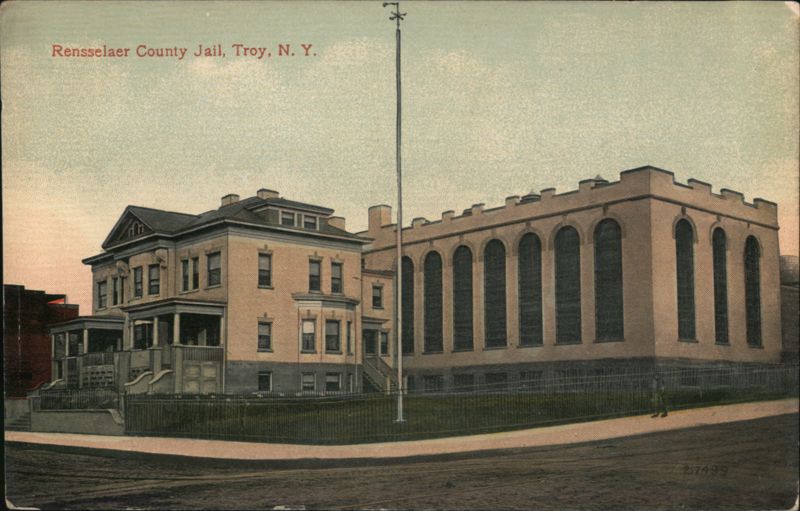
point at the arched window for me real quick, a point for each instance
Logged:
(433, 302)
(752, 291)
(462, 298)
(719, 245)
(609, 312)
(684, 257)
(530, 290)
(494, 294)
(408, 305)
(568, 286)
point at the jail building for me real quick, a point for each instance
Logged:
(618, 276)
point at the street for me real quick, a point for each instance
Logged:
(743, 465)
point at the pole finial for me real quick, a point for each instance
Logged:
(396, 14)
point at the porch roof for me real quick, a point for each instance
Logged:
(92, 322)
(173, 306)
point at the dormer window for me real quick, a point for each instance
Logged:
(310, 222)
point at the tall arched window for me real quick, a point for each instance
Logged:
(462, 298)
(530, 290)
(719, 245)
(752, 291)
(408, 305)
(494, 294)
(609, 313)
(568, 286)
(684, 257)
(433, 302)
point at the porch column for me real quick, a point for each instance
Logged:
(86, 340)
(53, 362)
(66, 344)
(155, 331)
(176, 332)
(222, 330)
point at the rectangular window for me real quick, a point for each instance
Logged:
(309, 335)
(463, 382)
(314, 274)
(350, 381)
(102, 300)
(332, 339)
(308, 382)
(310, 222)
(115, 290)
(265, 381)
(142, 336)
(185, 275)
(433, 383)
(138, 288)
(195, 272)
(153, 279)
(214, 271)
(336, 277)
(264, 336)
(287, 218)
(264, 270)
(377, 297)
(370, 341)
(333, 382)
(122, 289)
(349, 335)
(496, 381)
(530, 379)
(384, 343)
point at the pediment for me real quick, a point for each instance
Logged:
(128, 227)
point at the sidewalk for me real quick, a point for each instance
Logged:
(537, 437)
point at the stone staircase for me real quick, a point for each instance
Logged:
(380, 375)
(21, 423)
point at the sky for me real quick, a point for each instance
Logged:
(499, 99)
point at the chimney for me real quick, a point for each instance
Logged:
(337, 222)
(379, 216)
(265, 193)
(229, 199)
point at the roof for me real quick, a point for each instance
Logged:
(251, 211)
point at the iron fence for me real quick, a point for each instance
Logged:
(358, 418)
(78, 399)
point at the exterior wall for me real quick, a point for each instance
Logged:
(381, 318)
(94, 422)
(644, 203)
(286, 376)
(248, 303)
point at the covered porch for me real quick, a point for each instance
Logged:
(83, 350)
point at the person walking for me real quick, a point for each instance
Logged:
(659, 404)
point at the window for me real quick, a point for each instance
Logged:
(336, 277)
(138, 288)
(214, 271)
(462, 299)
(102, 299)
(264, 270)
(377, 297)
(432, 274)
(384, 343)
(308, 382)
(115, 290)
(264, 336)
(568, 286)
(529, 282)
(185, 275)
(142, 336)
(408, 305)
(153, 279)
(496, 381)
(494, 293)
(309, 335)
(314, 274)
(608, 281)
(195, 272)
(332, 339)
(530, 379)
(370, 342)
(433, 383)
(684, 258)
(463, 382)
(287, 218)
(265, 381)
(333, 382)
(349, 335)
(350, 382)
(310, 222)
(719, 245)
(122, 289)
(752, 291)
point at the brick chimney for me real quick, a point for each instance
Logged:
(229, 199)
(265, 193)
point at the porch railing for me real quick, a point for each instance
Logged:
(98, 359)
(199, 353)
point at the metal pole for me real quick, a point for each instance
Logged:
(398, 16)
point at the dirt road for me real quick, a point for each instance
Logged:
(744, 465)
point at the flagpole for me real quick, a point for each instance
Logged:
(398, 16)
